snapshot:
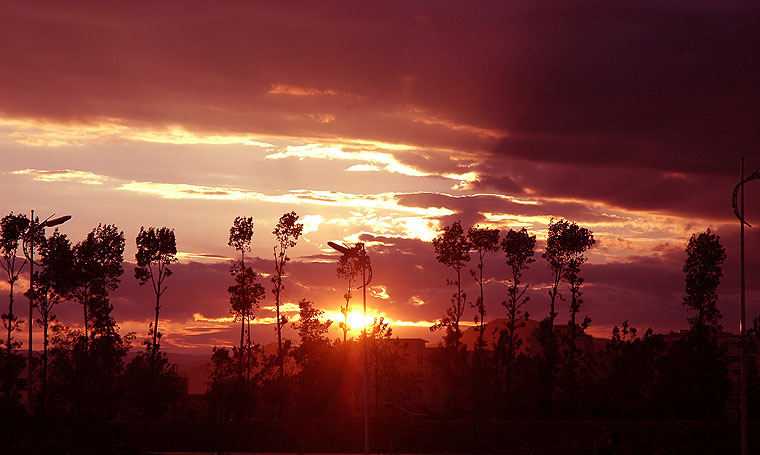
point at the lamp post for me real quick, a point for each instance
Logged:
(360, 253)
(739, 212)
(30, 255)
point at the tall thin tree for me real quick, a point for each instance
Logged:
(573, 241)
(453, 250)
(704, 257)
(518, 250)
(245, 296)
(156, 251)
(12, 230)
(556, 261)
(482, 240)
(52, 285)
(97, 267)
(245, 293)
(286, 234)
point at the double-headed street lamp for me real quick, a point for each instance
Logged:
(360, 254)
(29, 253)
(739, 212)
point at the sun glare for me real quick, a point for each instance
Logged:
(355, 319)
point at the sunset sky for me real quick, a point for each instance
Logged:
(383, 123)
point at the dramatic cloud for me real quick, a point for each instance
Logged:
(382, 123)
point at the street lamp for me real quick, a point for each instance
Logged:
(30, 255)
(739, 212)
(360, 254)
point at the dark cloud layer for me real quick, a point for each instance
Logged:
(631, 105)
(633, 85)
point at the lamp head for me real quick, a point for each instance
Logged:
(55, 221)
(343, 249)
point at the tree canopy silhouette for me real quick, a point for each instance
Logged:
(704, 257)
(98, 268)
(156, 250)
(482, 240)
(12, 230)
(453, 250)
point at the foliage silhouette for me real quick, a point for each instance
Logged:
(156, 250)
(286, 233)
(246, 293)
(97, 268)
(452, 250)
(482, 240)
(52, 285)
(12, 231)
(518, 250)
(704, 256)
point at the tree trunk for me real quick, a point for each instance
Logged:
(45, 321)
(155, 326)
(86, 337)
(248, 349)
(482, 307)
(10, 318)
(242, 338)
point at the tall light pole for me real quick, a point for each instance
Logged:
(33, 228)
(360, 254)
(739, 212)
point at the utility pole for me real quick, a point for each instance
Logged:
(738, 207)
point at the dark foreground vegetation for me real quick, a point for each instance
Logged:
(519, 437)
(633, 393)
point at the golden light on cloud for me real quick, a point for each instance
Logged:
(179, 135)
(311, 223)
(422, 117)
(185, 257)
(63, 175)
(285, 89)
(185, 191)
(197, 317)
(379, 292)
(375, 157)
(45, 134)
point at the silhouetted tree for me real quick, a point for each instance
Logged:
(151, 383)
(245, 296)
(310, 355)
(311, 330)
(349, 268)
(704, 256)
(286, 234)
(246, 293)
(156, 250)
(695, 381)
(221, 391)
(97, 267)
(51, 286)
(574, 241)
(241, 234)
(452, 250)
(518, 250)
(12, 230)
(85, 379)
(633, 365)
(482, 240)
(383, 356)
(564, 243)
